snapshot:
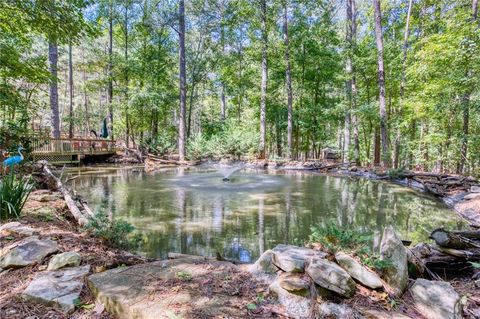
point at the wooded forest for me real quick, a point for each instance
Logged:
(386, 83)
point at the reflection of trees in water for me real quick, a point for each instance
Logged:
(243, 225)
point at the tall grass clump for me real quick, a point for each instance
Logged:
(13, 195)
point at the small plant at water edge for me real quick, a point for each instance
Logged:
(396, 173)
(116, 233)
(13, 195)
(335, 239)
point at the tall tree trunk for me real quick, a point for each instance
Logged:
(223, 102)
(85, 95)
(402, 82)
(127, 120)
(376, 147)
(53, 58)
(351, 37)
(70, 91)
(381, 84)
(288, 80)
(263, 96)
(183, 81)
(110, 67)
(466, 107)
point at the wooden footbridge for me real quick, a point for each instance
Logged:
(70, 150)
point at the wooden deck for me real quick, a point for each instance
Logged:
(70, 150)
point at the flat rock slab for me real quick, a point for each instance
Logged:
(32, 250)
(291, 258)
(169, 289)
(358, 272)
(16, 228)
(330, 276)
(436, 299)
(60, 288)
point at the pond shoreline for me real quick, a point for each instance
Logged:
(46, 198)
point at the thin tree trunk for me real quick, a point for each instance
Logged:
(127, 120)
(381, 84)
(223, 102)
(53, 58)
(289, 81)
(183, 81)
(85, 95)
(263, 96)
(376, 147)
(70, 90)
(402, 82)
(353, 82)
(110, 67)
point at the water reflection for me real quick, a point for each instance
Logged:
(240, 223)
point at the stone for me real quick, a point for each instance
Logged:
(30, 251)
(263, 269)
(378, 314)
(337, 311)
(67, 259)
(139, 291)
(291, 258)
(264, 264)
(60, 288)
(436, 299)
(294, 283)
(472, 196)
(295, 306)
(392, 250)
(475, 189)
(16, 228)
(358, 272)
(330, 276)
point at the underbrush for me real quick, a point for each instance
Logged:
(332, 239)
(231, 139)
(115, 233)
(14, 192)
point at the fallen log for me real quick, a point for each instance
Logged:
(435, 262)
(160, 160)
(456, 239)
(72, 206)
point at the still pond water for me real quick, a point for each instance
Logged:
(193, 211)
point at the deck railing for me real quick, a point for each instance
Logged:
(66, 146)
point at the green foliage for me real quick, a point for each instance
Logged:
(395, 173)
(350, 241)
(116, 233)
(13, 195)
(163, 144)
(184, 276)
(335, 239)
(231, 140)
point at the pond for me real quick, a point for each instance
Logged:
(193, 211)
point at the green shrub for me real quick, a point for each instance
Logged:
(13, 195)
(334, 239)
(115, 233)
(232, 139)
(396, 173)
